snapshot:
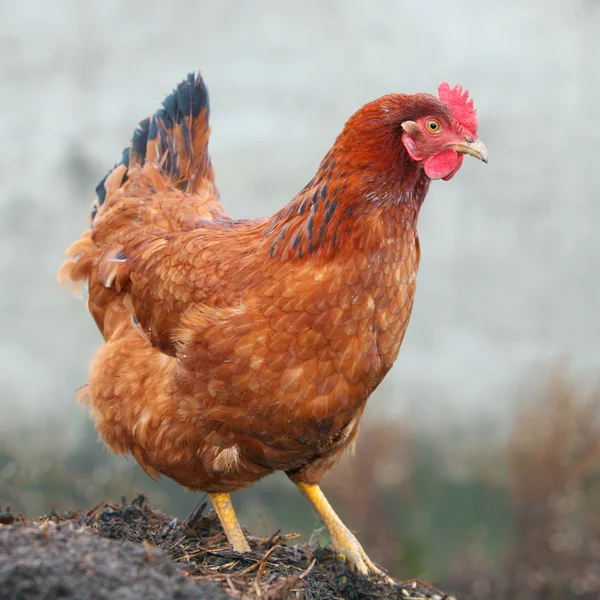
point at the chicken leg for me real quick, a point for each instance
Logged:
(342, 539)
(231, 526)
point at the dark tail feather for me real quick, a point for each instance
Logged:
(175, 138)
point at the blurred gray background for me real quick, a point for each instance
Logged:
(508, 284)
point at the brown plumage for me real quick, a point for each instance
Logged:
(237, 348)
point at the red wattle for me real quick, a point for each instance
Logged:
(443, 165)
(458, 164)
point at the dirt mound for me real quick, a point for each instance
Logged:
(130, 551)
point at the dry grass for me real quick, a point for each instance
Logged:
(552, 477)
(554, 482)
(553, 466)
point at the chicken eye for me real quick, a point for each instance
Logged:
(433, 126)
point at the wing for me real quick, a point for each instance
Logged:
(162, 276)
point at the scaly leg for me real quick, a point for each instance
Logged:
(342, 539)
(226, 514)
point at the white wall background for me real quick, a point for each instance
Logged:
(509, 278)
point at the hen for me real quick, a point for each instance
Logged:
(236, 348)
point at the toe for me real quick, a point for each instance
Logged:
(349, 548)
(373, 570)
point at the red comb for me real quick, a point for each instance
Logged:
(460, 105)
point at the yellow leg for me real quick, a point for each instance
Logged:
(342, 539)
(226, 514)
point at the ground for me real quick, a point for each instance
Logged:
(130, 551)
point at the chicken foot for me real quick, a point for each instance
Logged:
(226, 513)
(342, 539)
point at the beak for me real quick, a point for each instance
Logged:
(475, 148)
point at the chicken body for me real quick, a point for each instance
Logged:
(237, 348)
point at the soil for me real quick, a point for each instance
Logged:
(130, 551)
